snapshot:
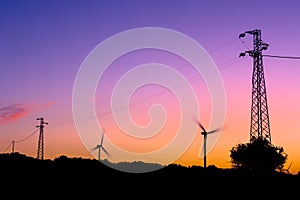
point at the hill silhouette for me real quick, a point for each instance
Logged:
(81, 174)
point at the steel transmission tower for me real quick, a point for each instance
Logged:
(259, 126)
(40, 151)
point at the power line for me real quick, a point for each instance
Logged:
(17, 141)
(192, 79)
(244, 44)
(273, 56)
(225, 44)
(222, 66)
(287, 57)
(181, 67)
(7, 147)
(214, 50)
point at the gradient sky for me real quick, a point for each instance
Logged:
(44, 43)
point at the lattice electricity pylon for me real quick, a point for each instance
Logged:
(260, 125)
(40, 151)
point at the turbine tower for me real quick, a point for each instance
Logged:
(259, 125)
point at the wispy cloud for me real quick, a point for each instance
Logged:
(12, 112)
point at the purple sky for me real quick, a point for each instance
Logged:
(43, 43)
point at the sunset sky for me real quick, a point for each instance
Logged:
(44, 45)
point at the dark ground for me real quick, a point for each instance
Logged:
(63, 177)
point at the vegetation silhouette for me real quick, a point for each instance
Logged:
(63, 167)
(258, 156)
(83, 176)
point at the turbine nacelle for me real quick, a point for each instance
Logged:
(203, 133)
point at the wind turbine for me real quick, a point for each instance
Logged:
(100, 147)
(288, 169)
(205, 133)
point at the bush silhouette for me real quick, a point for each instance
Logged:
(258, 156)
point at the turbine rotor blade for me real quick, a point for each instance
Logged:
(201, 152)
(198, 123)
(105, 151)
(195, 119)
(289, 166)
(102, 139)
(213, 131)
(94, 148)
(202, 127)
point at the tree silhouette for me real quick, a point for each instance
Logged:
(259, 155)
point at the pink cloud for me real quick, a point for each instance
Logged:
(49, 103)
(12, 112)
(38, 107)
